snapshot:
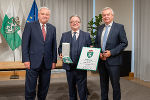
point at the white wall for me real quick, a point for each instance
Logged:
(123, 14)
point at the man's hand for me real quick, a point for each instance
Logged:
(60, 56)
(107, 54)
(102, 56)
(27, 65)
(53, 65)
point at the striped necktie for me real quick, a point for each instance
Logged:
(105, 38)
(43, 31)
(74, 36)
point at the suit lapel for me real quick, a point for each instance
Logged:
(69, 37)
(48, 31)
(110, 33)
(80, 38)
(100, 33)
(40, 31)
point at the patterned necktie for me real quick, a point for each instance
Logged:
(105, 39)
(74, 36)
(74, 48)
(43, 31)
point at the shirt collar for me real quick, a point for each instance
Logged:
(42, 24)
(109, 24)
(76, 31)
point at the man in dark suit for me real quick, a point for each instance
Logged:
(111, 38)
(77, 40)
(39, 54)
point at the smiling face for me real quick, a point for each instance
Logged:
(75, 23)
(107, 16)
(43, 15)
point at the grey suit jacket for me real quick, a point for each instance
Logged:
(116, 42)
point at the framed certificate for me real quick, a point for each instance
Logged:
(89, 58)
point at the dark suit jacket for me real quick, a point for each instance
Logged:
(34, 48)
(116, 42)
(84, 41)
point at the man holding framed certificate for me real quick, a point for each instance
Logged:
(76, 39)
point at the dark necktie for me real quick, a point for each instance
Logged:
(74, 36)
(43, 31)
(105, 39)
(74, 48)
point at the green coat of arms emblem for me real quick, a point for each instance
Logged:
(90, 53)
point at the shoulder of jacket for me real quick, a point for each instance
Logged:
(50, 25)
(65, 33)
(101, 25)
(84, 32)
(117, 24)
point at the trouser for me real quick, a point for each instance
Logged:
(113, 72)
(43, 76)
(77, 78)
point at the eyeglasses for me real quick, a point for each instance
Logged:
(77, 22)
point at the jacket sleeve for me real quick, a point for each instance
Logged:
(26, 42)
(89, 42)
(123, 42)
(54, 47)
(60, 45)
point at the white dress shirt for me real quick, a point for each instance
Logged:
(44, 27)
(77, 34)
(104, 32)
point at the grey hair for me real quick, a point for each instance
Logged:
(75, 16)
(45, 8)
(106, 8)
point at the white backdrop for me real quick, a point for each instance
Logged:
(142, 41)
(61, 10)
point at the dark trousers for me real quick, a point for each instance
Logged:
(77, 79)
(43, 77)
(113, 72)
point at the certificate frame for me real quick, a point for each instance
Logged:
(89, 58)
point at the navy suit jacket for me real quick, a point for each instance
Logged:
(116, 42)
(34, 48)
(84, 40)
